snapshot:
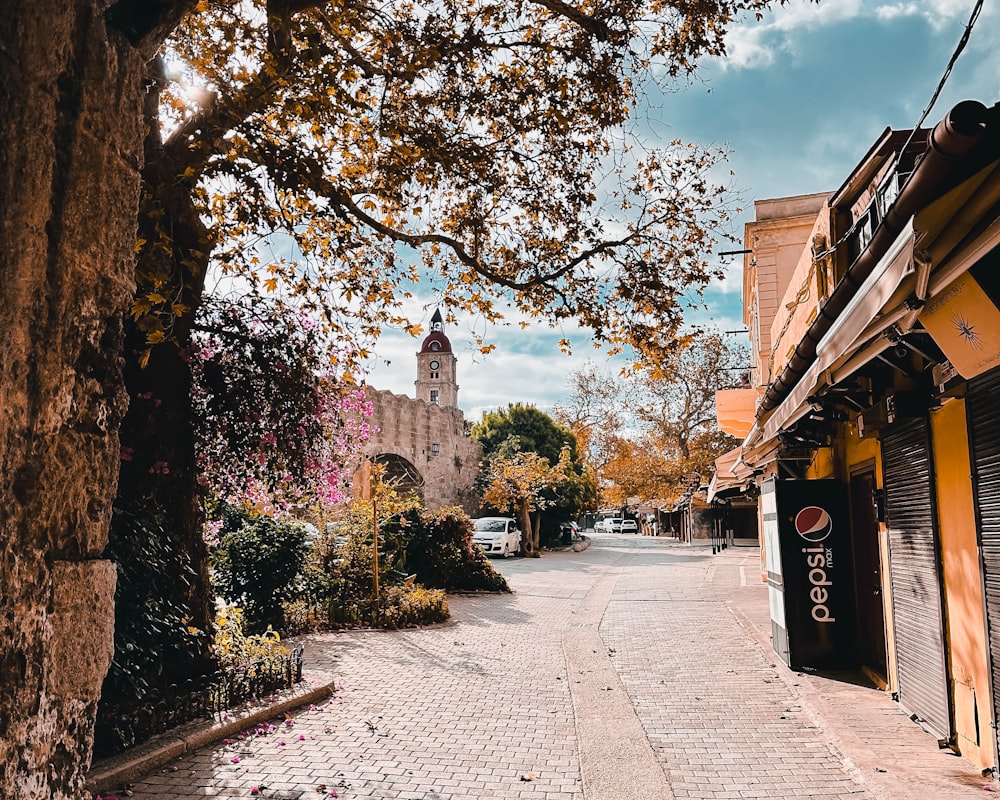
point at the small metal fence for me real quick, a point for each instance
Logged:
(211, 696)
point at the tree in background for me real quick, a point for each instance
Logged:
(597, 410)
(677, 397)
(532, 464)
(524, 483)
(670, 429)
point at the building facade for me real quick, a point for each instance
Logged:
(875, 330)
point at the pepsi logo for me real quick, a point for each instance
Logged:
(813, 523)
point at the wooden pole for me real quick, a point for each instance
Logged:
(375, 592)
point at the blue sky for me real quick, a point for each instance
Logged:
(801, 97)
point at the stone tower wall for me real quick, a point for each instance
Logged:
(434, 440)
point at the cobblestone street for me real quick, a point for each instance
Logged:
(635, 669)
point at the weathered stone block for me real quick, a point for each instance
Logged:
(83, 628)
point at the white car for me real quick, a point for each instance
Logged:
(602, 526)
(629, 526)
(497, 535)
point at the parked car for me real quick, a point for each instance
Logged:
(497, 535)
(613, 525)
(602, 526)
(629, 526)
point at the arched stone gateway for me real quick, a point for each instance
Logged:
(400, 474)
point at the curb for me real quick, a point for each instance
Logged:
(127, 767)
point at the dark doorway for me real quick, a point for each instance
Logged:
(868, 578)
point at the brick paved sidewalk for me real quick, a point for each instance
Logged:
(894, 757)
(638, 669)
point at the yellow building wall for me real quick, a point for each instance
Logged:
(800, 302)
(823, 465)
(963, 586)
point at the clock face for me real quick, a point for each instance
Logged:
(434, 365)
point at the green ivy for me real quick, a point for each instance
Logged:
(155, 644)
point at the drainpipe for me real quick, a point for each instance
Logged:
(950, 143)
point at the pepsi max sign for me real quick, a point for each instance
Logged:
(814, 524)
(816, 582)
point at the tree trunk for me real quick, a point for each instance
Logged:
(526, 537)
(71, 137)
(158, 485)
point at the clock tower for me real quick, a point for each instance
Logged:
(436, 367)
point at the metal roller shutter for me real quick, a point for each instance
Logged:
(983, 398)
(915, 575)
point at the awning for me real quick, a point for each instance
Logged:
(941, 234)
(728, 475)
(852, 329)
(735, 410)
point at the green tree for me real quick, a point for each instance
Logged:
(536, 459)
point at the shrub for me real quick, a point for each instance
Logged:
(419, 552)
(256, 564)
(235, 650)
(410, 606)
(440, 551)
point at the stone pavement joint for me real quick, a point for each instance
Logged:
(608, 731)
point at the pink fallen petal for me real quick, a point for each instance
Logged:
(301, 737)
(235, 759)
(254, 790)
(281, 742)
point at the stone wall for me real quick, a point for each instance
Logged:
(434, 440)
(71, 136)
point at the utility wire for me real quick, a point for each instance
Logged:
(962, 42)
(947, 72)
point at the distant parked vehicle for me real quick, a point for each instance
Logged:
(602, 526)
(629, 526)
(497, 535)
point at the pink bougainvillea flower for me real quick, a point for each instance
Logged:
(235, 759)
(301, 737)
(281, 742)
(254, 790)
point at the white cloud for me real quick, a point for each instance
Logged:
(757, 45)
(938, 13)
